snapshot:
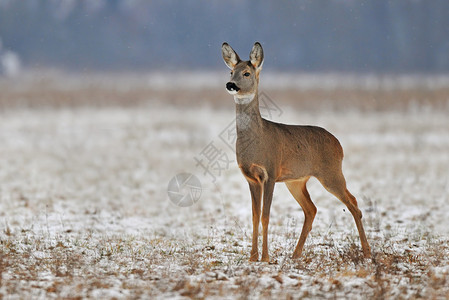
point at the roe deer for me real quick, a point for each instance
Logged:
(282, 153)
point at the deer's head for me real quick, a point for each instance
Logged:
(244, 74)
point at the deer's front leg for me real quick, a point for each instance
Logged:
(267, 198)
(256, 197)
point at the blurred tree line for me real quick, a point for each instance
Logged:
(305, 35)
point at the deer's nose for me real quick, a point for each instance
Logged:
(231, 86)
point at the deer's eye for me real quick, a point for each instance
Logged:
(246, 74)
(232, 73)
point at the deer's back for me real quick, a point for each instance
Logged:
(289, 152)
(305, 150)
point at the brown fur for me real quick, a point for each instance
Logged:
(269, 152)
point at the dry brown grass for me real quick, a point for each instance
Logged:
(320, 273)
(51, 89)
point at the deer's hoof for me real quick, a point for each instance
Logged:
(254, 257)
(296, 255)
(265, 259)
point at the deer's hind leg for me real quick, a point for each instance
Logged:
(336, 185)
(299, 191)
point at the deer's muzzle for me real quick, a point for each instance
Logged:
(232, 87)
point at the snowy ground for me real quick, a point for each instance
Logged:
(84, 209)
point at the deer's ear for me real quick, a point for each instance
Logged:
(229, 55)
(256, 56)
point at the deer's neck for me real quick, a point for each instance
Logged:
(248, 115)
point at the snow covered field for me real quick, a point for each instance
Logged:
(84, 209)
